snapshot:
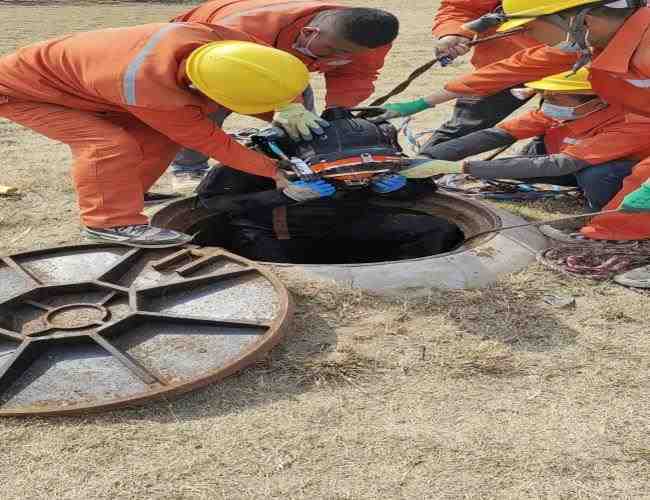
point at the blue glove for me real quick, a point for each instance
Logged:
(309, 190)
(388, 183)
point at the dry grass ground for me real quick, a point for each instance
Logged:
(466, 394)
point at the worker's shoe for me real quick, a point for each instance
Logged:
(562, 235)
(567, 231)
(636, 278)
(139, 235)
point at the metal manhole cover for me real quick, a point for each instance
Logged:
(94, 327)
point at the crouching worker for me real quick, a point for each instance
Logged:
(305, 223)
(124, 100)
(584, 141)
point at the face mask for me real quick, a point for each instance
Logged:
(304, 49)
(567, 113)
(561, 113)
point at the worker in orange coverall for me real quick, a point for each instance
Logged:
(614, 37)
(452, 31)
(124, 99)
(347, 45)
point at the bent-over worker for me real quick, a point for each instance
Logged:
(124, 99)
(347, 45)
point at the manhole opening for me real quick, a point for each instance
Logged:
(319, 234)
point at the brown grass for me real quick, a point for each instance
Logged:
(464, 394)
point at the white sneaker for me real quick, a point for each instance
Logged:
(139, 235)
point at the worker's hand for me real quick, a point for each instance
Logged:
(421, 168)
(309, 190)
(637, 201)
(401, 109)
(299, 122)
(388, 183)
(452, 46)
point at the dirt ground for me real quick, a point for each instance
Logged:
(466, 394)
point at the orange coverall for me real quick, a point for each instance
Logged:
(451, 16)
(599, 137)
(121, 100)
(349, 79)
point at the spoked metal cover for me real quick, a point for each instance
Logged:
(94, 327)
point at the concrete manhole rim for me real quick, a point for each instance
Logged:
(274, 329)
(511, 251)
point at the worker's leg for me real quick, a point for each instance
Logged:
(472, 114)
(626, 225)
(600, 183)
(107, 160)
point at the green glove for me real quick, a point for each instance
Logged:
(422, 168)
(401, 109)
(637, 201)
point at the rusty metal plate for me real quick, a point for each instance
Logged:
(95, 327)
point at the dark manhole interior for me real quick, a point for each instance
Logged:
(314, 235)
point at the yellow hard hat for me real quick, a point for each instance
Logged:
(520, 12)
(567, 82)
(246, 77)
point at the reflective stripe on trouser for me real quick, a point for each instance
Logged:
(186, 159)
(116, 157)
(623, 226)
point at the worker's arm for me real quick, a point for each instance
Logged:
(470, 145)
(191, 128)
(350, 84)
(525, 167)
(525, 66)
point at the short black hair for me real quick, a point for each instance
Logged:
(366, 27)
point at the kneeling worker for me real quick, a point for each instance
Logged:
(125, 99)
(586, 142)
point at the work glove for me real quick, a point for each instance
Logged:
(299, 122)
(302, 191)
(401, 109)
(388, 183)
(422, 168)
(637, 201)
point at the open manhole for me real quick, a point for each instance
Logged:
(478, 263)
(93, 327)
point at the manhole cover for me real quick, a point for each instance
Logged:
(94, 327)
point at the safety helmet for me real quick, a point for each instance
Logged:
(246, 77)
(566, 82)
(520, 12)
